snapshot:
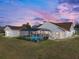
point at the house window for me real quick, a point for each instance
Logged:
(46, 32)
(57, 33)
(38, 32)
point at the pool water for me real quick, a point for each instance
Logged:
(37, 37)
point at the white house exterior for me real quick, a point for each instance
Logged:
(10, 31)
(15, 31)
(59, 30)
(24, 33)
(53, 30)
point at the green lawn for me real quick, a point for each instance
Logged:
(20, 49)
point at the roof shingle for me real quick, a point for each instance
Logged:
(65, 25)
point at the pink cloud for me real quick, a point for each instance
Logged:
(65, 9)
(46, 16)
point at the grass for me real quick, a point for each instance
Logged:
(12, 48)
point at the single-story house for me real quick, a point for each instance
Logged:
(15, 31)
(12, 31)
(59, 30)
(52, 30)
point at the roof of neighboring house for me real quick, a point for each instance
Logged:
(14, 27)
(23, 27)
(65, 25)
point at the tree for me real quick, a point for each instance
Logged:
(2, 29)
(26, 26)
(77, 26)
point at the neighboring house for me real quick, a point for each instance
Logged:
(15, 31)
(12, 31)
(49, 29)
(59, 30)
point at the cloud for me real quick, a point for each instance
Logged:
(22, 11)
(69, 1)
(69, 10)
(76, 9)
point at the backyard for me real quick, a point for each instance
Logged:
(12, 48)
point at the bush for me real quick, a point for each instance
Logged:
(24, 38)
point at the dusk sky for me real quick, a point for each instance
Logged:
(18, 12)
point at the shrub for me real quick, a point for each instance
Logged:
(24, 38)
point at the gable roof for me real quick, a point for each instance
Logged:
(51, 27)
(65, 25)
(57, 26)
(14, 27)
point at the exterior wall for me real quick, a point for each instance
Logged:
(72, 30)
(12, 33)
(60, 35)
(56, 35)
(69, 33)
(24, 33)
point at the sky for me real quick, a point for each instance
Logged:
(18, 12)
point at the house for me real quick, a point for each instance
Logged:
(47, 29)
(16, 31)
(12, 31)
(59, 30)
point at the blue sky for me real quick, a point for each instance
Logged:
(17, 11)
